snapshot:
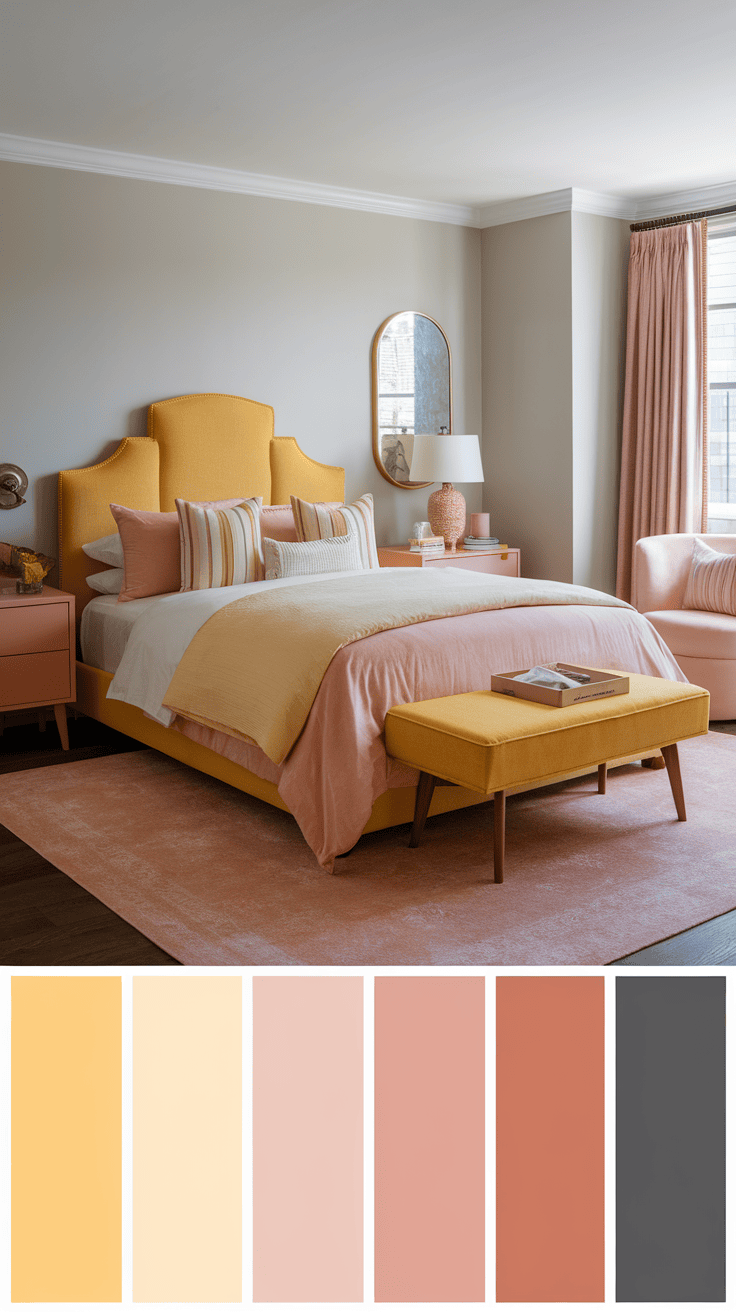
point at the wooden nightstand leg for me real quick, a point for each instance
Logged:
(672, 761)
(602, 776)
(425, 789)
(60, 716)
(499, 835)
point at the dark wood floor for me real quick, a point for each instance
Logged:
(48, 920)
(45, 918)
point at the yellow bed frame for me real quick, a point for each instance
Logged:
(204, 447)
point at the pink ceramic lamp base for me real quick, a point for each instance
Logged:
(446, 513)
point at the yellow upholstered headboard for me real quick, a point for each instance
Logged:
(204, 447)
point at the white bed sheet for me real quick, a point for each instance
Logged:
(105, 629)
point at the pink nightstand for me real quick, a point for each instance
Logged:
(37, 650)
(492, 561)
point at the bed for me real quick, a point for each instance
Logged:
(336, 780)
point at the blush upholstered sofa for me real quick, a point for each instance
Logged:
(703, 642)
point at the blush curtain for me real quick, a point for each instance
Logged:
(663, 459)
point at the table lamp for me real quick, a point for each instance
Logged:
(446, 458)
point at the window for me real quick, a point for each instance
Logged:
(722, 377)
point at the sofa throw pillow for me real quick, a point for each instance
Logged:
(712, 581)
(150, 541)
(220, 547)
(324, 519)
(108, 581)
(284, 560)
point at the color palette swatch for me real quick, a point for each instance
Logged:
(429, 1236)
(671, 1140)
(159, 1063)
(307, 1140)
(187, 1139)
(66, 1146)
(550, 1140)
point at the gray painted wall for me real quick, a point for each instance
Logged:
(600, 252)
(527, 390)
(117, 292)
(554, 296)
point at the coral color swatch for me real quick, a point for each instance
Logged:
(549, 1139)
(66, 1144)
(187, 1139)
(429, 1139)
(308, 1139)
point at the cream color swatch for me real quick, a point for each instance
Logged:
(187, 1137)
(66, 1139)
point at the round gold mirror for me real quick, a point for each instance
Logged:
(412, 390)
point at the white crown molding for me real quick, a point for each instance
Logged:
(682, 202)
(556, 202)
(149, 168)
(87, 159)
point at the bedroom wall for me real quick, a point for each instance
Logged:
(117, 292)
(600, 250)
(527, 390)
(554, 303)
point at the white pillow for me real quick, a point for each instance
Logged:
(110, 581)
(109, 550)
(284, 560)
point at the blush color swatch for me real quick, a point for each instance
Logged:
(671, 1139)
(66, 1139)
(549, 1139)
(308, 1139)
(187, 1139)
(429, 1139)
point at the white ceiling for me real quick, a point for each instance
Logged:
(465, 101)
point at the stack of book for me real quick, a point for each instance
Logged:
(428, 546)
(479, 544)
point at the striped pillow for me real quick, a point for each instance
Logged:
(284, 560)
(712, 581)
(220, 547)
(317, 520)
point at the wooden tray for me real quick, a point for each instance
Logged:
(602, 684)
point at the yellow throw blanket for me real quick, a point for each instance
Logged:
(255, 667)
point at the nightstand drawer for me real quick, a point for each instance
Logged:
(36, 680)
(28, 628)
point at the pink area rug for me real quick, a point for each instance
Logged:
(218, 878)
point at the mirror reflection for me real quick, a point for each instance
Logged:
(412, 390)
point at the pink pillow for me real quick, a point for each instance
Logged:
(150, 541)
(277, 522)
(152, 548)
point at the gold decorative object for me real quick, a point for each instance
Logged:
(28, 567)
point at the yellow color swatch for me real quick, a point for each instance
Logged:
(187, 1139)
(66, 1139)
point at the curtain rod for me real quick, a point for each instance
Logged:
(646, 224)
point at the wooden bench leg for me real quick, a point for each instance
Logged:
(602, 776)
(672, 761)
(499, 835)
(425, 789)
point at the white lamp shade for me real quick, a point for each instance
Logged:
(446, 458)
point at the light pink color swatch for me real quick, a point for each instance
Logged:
(307, 1140)
(429, 1139)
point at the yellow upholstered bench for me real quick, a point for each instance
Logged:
(490, 742)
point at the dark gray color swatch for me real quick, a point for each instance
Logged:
(670, 1139)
